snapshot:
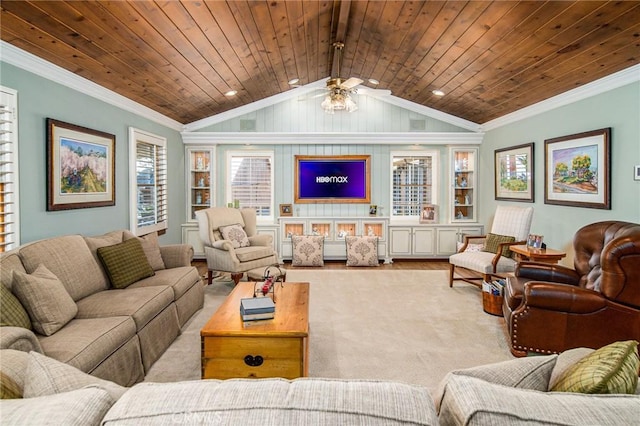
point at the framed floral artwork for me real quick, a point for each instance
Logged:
(514, 173)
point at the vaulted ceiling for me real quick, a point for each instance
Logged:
(179, 58)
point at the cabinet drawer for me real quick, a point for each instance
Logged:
(224, 357)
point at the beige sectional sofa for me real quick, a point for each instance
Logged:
(514, 392)
(111, 333)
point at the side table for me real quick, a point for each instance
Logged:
(537, 255)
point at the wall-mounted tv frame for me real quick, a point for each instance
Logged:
(332, 179)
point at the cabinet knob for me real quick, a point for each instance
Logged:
(253, 361)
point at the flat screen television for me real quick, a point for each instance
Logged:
(332, 179)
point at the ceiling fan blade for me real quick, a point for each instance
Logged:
(351, 82)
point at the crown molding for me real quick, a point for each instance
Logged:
(29, 62)
(390, 138)
(610, 82)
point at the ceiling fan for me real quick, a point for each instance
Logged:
(339, 90)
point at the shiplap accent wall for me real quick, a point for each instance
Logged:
(303, 114)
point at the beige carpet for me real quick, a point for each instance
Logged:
(403, 325)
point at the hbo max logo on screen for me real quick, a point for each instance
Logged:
(332, 179)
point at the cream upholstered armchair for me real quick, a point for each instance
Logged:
(489, 254)
(231, 241)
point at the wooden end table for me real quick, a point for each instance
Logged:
(257, 349)
(537, 255)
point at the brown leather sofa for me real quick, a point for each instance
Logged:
(552, 308)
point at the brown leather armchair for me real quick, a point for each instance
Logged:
(552, 308)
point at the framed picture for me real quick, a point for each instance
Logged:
(80, 167)
(429, 213)
(535, 241)
(577, 170)
(514, 173)
(636, 172)
(373, 210)
(286, 210)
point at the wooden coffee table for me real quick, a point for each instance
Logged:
(537, 255)
(258, 349)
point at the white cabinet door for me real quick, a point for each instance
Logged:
(191, 236)
(446, 241)
(423, 241)
(400, 241)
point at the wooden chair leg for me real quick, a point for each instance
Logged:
(451, 268)
(236, 277)
(209, 277)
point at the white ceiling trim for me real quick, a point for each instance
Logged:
(390, 138)
(29, 62)
(610, 82)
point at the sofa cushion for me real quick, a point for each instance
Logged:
(49, 305)
(70, 259)
(308, 250)
(9, 389)
(471, 401)
(235, 233)
(248, 254)
(80, 407)
(46, 376)
(86, 343)
(125, 263)
(151, 248)
(142, 304)
(274, 402)
(610, 369)
(179, 279)
(493, 241)
(12, 312)
(362, 251)
(108, 239)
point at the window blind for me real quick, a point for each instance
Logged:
(412, 184)
(9, 212)
(151, 180)
(251, 182)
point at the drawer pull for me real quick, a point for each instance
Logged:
(253, 361)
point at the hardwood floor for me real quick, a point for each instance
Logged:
(340, 264)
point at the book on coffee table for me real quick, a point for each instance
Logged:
(257, 308)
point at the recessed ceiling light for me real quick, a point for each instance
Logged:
(438, 92)
(293, 81)
(374, 81)
(231, 93)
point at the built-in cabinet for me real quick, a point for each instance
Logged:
(200, 179)
(424, 241)
(464, 181)
(334, 232)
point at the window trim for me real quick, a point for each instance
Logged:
(135, 136)
(228, 179)
(14, 212)
(435, 179)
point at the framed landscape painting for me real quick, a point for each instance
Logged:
(80, 167)
(578, 170)
(514, 173)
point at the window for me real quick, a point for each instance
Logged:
(250, 181)
(414, 182)
(147, 182)
(9, 212)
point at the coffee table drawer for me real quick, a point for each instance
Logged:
(256, 357)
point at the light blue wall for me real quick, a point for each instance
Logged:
(39, 98)
(618, 109)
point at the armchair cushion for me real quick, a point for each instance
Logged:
(610, 369)
(492, 244)
(125, 263)
(45, 298)
(235, 234)
(481, 262)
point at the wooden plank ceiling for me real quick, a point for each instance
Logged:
(181, 57)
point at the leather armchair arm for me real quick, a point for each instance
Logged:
(547, 272)
(562, 298)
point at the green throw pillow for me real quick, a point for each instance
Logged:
(125, 263)
(9, 389)
(12, 312)
(493, 241)
(610, 369)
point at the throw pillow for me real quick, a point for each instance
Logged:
(47, 376)
(46, 300)
(151, 248)
(610, 369)
(9, 389)
(566, 360)
(308, 250)
(362, 251)
(125, 263)
(493, 241)
(235, 234)
(12, 312)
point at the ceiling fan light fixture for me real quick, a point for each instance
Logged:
(338, 99)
